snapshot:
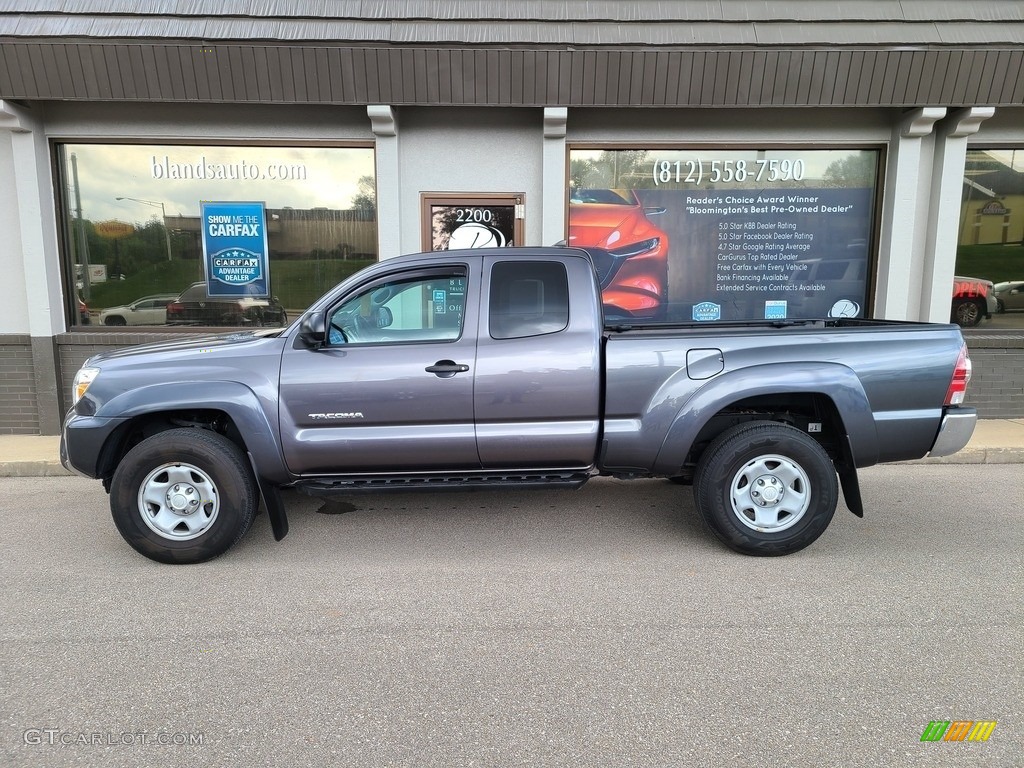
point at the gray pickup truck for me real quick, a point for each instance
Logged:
(497, 368)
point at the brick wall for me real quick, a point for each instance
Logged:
(996, 389)
(19, 414)
(78, 346)
(997, 386)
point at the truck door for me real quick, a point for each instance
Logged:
(538, 368)
(392, 391)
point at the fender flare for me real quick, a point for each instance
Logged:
(243, 407)
(834, 381)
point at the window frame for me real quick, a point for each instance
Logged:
(491, 302)
(61, 177)
(422, 274)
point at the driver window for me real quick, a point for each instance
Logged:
(402, 310)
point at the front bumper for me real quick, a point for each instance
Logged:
(954, 432)
(82, 440)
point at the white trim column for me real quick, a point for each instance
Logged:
(902, 243)
(34, 239)
(553, 181)
(389, 181)
(944, 216)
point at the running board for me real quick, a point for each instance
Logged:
(325, 486)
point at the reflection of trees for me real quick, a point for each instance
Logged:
(366, 200)
(131, 254)
(856, 170)
(613, 169)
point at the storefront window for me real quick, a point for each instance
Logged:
(211, 235)
(740, 234)
(990, 250)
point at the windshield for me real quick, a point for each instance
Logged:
(605, 196)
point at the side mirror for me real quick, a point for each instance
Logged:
(312, 332)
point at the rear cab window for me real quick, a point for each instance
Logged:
(528, 298)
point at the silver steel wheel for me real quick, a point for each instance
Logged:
(178, 501)
(770, 493)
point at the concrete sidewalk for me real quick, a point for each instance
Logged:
(995, 441)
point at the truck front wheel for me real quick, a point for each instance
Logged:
(183, 496)
(766, 489)
(968, 314)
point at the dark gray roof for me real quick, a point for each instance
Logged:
(527, 52)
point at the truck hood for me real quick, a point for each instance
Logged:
(190, 344)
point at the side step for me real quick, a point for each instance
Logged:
(329, 486)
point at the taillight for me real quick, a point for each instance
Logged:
(174, 308)
(961, 377)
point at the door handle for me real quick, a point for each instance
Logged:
(445, 369)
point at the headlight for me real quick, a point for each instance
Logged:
(635, 249)
(83, 379)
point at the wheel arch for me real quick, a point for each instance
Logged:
(796, 393)
(228, 408)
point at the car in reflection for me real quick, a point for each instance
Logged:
(149, 310)
(974, 298)
(84, 318)
(195, 306)
(1010, 296)
(844, 278)
(617, 221)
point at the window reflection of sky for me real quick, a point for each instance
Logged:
(324, 177)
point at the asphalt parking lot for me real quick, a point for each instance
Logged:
(600, 627)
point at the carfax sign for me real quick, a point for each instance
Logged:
(235, 249)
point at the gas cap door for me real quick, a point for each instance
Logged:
(704, 363)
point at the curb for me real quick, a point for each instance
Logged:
(976, 456)
(33, 469)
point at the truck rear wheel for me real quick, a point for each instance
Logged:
(183, 496)
(766, 489)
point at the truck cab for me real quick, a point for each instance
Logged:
(474, 362)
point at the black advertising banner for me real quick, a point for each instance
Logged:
(728, 235)
(457, 226)
(779, 255)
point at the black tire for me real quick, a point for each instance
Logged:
(183, 496)
(766, 489)
(115, 320)
(968, 314)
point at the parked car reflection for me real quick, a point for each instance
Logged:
(195, 306)
(973, 299)
(1010, 296)
(149, 310)
(84, 317)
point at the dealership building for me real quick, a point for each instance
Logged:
(753, 160)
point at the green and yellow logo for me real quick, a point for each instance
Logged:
(958, 730)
